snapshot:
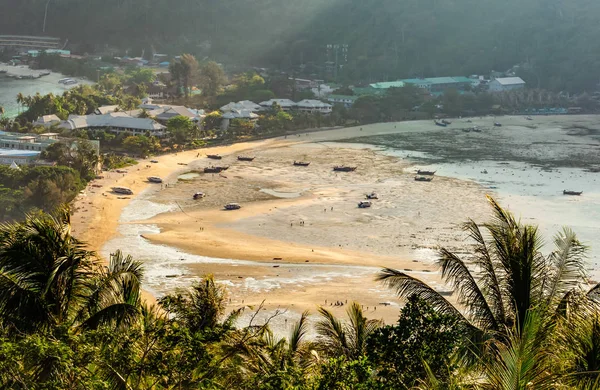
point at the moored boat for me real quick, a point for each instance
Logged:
(214, 169)
(343, 168)
(155, 179)
(497, 124)
(446, 122)
(442, 124)
(301, 163)
(575, 193)
(423, 178)
(122, 190)
(232, 206)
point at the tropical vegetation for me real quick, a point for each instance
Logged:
(524, 321)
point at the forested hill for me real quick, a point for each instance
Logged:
(557, 40)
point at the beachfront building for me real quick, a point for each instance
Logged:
(27, 142)
(47, 120)
(502, 84)
(241, 105)
(313, 106)
(18, 157)
(115, 122)
(434, 85)
(388, 85)
(106, 110)
(285, 104)
(237, 114)
(346, 100)
(173, 111)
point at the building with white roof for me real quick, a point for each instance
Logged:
(106, 110)
(116, 122)
(314, 106)
(242, 105)
(285, 104)
(502, 84)
(18, 157)
(47, 120)
(237, 114)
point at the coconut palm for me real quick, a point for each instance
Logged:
(513, 276)
(346, 339)
(48, 278)
(281, 357)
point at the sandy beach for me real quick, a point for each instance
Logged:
(299, 240)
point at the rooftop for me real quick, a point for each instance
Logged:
(510, 80)
(281, 102)
(388, 84)
(115, 119)
(17, 153)
(312, 103)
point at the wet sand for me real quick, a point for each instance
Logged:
(287, 246)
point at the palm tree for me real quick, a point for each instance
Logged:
(49, 279)
(283, 355)
(513, 278)
(346, 339)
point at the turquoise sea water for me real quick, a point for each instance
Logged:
(9, 88)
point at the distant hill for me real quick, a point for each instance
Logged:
(558, 41)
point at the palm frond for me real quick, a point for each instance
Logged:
(489, 280)
(406, 285)
(455, 272)
(333, 332)
(567, 265)
(298, 332)
(359, 330)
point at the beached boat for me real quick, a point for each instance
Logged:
(122, 190)
(497, 124)
(364, 204)
(343, 168)
(575, 193)
(214, 156)
(199, 195)
(245, 158)
(426, 173)
(301, 163)
(214, 169)
(423, 178)
(440, 124)
(232, 206)
(372, 195)
(155, 179)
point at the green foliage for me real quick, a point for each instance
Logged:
(185, 72)
(212, 77)
(80, 155)
(32, 188)
(141, 145)
(422, 336)
(212, 120)
(181, 128)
